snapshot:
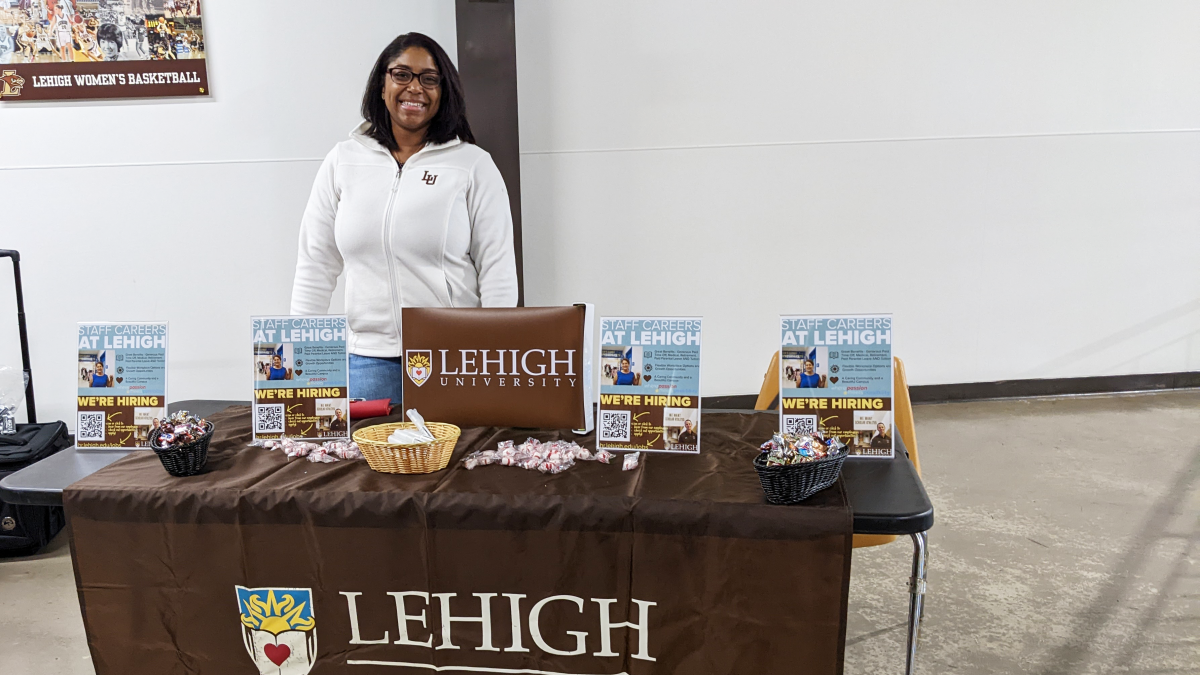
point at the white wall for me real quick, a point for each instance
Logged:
(187, 210)
(1017, 181)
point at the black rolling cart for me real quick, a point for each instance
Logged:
(25, 529)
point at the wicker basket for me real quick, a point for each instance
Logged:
(792, 483)
(417, 458)
(187, 459)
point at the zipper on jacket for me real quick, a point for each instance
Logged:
(391, 261)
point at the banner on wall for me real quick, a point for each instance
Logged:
(649, 384)
(301, 377)
(835, 377)
(99, 49)
(122, 385)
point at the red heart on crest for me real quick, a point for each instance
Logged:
(277, 653)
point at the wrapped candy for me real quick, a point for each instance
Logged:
(552, 466)
(785, 449)
(550, 457)
(329, 451)
(631, 461)
(320, 455)
(343, 449)
(180, 428)
(299, 448)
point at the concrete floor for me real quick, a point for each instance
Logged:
(1067, 542)
(1059, 549)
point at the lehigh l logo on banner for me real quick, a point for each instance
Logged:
(419, 365)
(11, 83)
(278, 629)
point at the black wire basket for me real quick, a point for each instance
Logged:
(793, 483)
(187, 459)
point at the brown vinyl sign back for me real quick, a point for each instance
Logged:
(518, 366)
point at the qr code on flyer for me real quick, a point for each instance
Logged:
(268, 419)
(799, 424)
(614, 425)
(90, 426)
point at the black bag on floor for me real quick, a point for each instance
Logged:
(24, 530)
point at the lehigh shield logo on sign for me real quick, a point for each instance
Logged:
(420, 365)
(278, 629)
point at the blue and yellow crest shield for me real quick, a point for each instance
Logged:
(278, 629)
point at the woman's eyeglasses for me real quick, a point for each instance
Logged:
(403, 76)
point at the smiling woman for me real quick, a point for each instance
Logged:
(411, 209)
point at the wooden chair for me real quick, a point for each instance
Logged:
(768, 398)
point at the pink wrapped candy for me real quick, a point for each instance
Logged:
(324, 453)
(631, 461)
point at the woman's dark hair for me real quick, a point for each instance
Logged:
(449, 123)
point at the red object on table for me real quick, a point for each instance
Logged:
(360, 410)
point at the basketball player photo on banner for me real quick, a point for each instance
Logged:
(301, 377)
(98, 49)
(835, 377)
(649, 384)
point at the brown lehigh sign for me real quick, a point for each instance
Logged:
(511, 367)
(118, 79)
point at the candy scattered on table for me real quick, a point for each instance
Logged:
(785, 449)
(323, 453)
(553, 457)
(180, 428)
(631, 461)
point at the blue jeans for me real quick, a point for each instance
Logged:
(374, 378)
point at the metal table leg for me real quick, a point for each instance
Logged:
(916, 603)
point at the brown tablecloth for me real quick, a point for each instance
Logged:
(685, 548)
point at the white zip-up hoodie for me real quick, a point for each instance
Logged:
(436, 234)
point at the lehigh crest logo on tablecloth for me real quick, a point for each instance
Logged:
(278, 629)
(420, 365)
